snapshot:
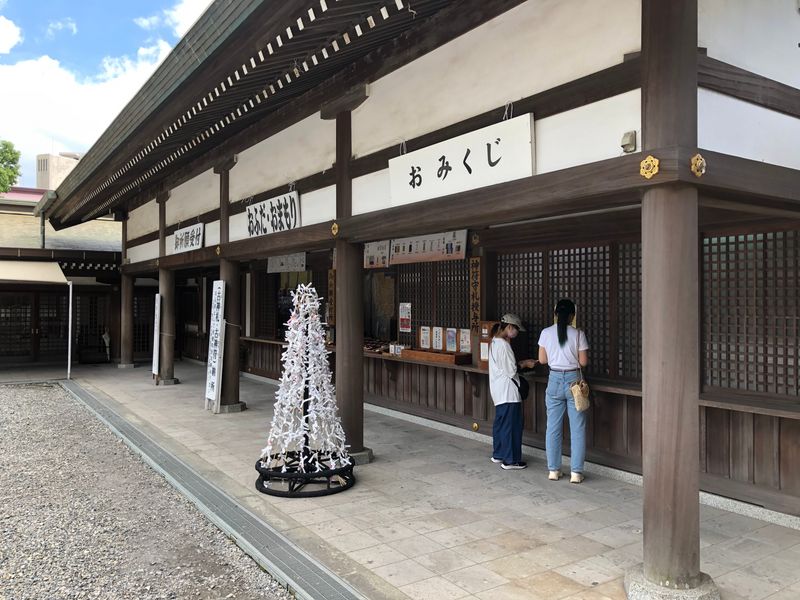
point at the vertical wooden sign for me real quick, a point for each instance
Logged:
(475, 294)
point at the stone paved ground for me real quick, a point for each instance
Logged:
(82, 517)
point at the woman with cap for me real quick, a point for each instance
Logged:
(504, 386)
(566, 350)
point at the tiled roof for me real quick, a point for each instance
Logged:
(22, 231)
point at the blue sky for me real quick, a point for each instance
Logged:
(72, 66)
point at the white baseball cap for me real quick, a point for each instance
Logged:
(512, 319)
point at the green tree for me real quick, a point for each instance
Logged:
(9, 165)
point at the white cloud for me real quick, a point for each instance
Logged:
(64, 25)
(55, 110)
(184, 14)
(148, 23)
(179, 18)
(10, 34)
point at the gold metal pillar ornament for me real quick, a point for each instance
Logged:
(335, 229)
(475, 427)
(648, 167)
(698, 165)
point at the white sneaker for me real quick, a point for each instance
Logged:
(497, 460)
(554, 475)
(576, 477)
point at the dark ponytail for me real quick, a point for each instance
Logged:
(564, 311)
(495, 329)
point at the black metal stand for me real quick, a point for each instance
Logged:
(284, 477)
(293, 483)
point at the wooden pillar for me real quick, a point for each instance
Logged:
(126, 322)
(350, 341)
(349, 305)
(166, 287)
(229, 272)
(126, 306)
(670, 319)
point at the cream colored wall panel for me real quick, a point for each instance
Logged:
(303, 149)
(143, 220)
(146, 251)
(170, 244)
(237, 227)
(760, 36)
(371, 192)
(194, 197)
(515, 55)
(212, 234)
(587, 134)
(728, 125)
(318, 206)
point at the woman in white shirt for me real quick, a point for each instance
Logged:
(504, 385)
(566, 350)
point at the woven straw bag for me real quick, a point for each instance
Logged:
(580, 389)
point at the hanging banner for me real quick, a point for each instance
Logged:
(216, 346)
(287, 263)
(188, 238)
(405, 317)
(376, 254)
(280, 213)
(497, 153)
(450, 245)
(156, 334)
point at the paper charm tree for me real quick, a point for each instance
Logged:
(306, 454)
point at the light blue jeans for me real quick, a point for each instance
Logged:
(558, 400)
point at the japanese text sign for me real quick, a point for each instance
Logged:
(281, 213)
(497, 153)
(216, 345)
(188, 238)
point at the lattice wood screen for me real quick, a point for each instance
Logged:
(519, 291)
(439, 295)
(143, 309)
(629, 344)
(582, 274)
(751, 312)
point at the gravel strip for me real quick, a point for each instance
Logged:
(82, 517)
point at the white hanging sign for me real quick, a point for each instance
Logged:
(156, 334)
(450, 245)
(497, 153)
(216, 346)
(188, 238)
(287, 263)
(405, 317)
(376, 254)
(280, 213)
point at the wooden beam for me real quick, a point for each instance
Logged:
(600, 185)
(746, 178)
(738, 83)
(344, 152)
(755, 209)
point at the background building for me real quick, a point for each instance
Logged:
(52, 169)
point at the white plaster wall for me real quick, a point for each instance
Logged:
(757, 35)
(170, 249)
(237, 227)
(318, 206)
(212, 234)
(303, 149)
(371, 192)
(732, 126)
(143, 220)
(196, 196)
(533, 47)
(587, 134)
(146, 251)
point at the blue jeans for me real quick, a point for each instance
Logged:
(558, 399)
(507, 432)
